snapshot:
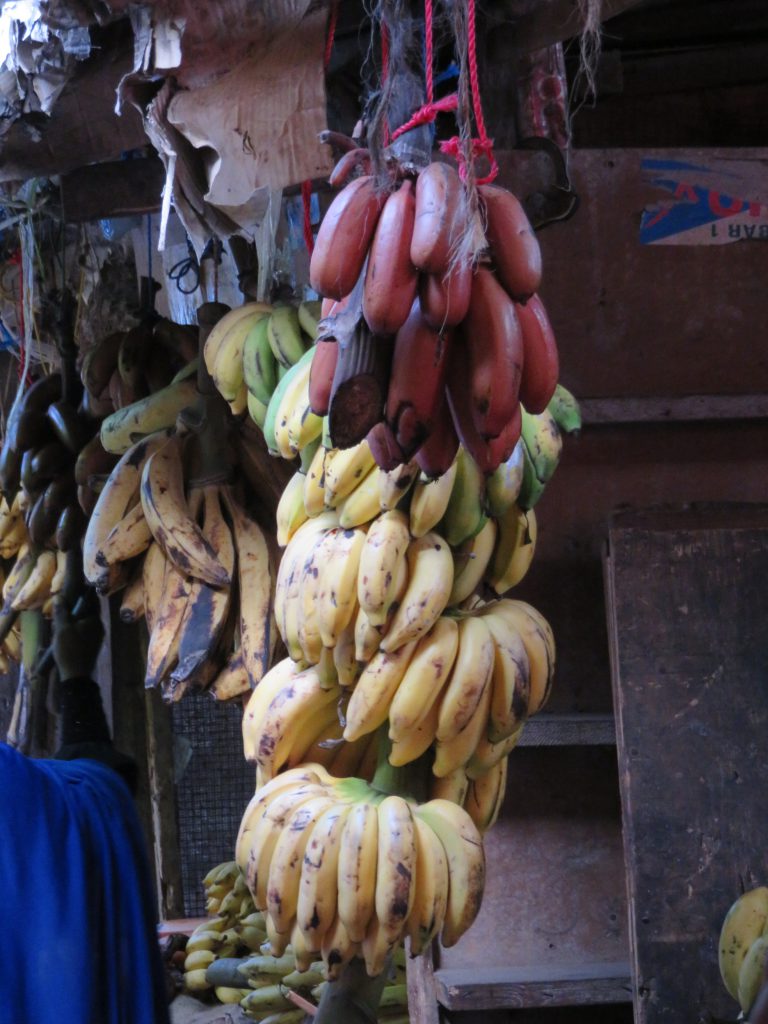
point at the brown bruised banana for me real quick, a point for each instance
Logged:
(514, 246)
(439, 205)
(391, 279)
(541, 365)
(345, 237)
(444, 299)
(417, 382)
(491, 332)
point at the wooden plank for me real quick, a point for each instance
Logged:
(569, 731)
(553, 22)
(517, 987)
(635, 320)
(115, 189)
(163, 802)
(687, 608)
(423, 1007)
(555, 889)
(690, 408)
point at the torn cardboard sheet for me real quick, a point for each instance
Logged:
(261, 121)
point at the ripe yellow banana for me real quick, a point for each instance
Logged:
(169, 519)
(337, 949)
(485, 796)
(514, 551)
(396, 866)
(745, 922)
(487, 754)
(170, 617)
(430, 500)
(430, 579)
(457, 751)
(311, 731)
(115, 499)
(469, 679)
(427, 915)
(358, 855)
(345, 471)
(470, 561)
(453, 786)
(393, 486)
(417, 740)
(463, 848)
(362, 505)
(223, 350)
(287, 859)
(539, 645)
(338, 558)
(347, 667)
(428, 671)
(369, 704)
(511, 680)
(318, 888)
(152, 576)
(37, 587)
(314, 481)
(386, 545)
(294, 414)
(752, 973)
(128, 538)
(289, 576)
(259, 701)
(291, 513)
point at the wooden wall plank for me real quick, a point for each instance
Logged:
(505, 987)
(636, 320)
(687, 607)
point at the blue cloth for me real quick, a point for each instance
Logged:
(79, 940)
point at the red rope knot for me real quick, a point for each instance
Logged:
(427, 114)
(480, 147)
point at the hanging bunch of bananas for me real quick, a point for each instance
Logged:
(255, 352)
(224, 958)
(341, 869)
(192, 561)
(743, 948)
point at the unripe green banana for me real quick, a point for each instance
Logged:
(285, 337)
(565, 410)
(259, 363)
(464, 516)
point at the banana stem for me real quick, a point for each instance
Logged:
(408, 781)
(354, 998)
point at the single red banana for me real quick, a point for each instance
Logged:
(344, 238)
(445, 300)
(487, 454)
(514, 247)
(321, 375)
(439, 204)
(384, 447)
(494, 341)
(348, 163)
(417, 381)
(391, 279)
(436, 455)
(541, 365)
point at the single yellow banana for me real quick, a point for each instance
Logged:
(456, 752)
(289, 576)
(244, 316)
(37, 587)
(453, 786)
(485, 795)
(369, 704)
(337, 949)
(345, 471)
(358, 855)
(430, 579)
(427, 915)
(314, 481)
(537, 638)
(514, 551)
(470, 561)
(487, 755)
(338, 561)
(396, 866)
(417, 740)
(291, 513)
(463, 848)
(292, 411)
(152, 577)
(428, 671)
(471, 675)
(386, 545)
(393, 486)
(259, 701)
(362, 505)
(347, 666)
(511, 680)
(430, 500)
(318, 888)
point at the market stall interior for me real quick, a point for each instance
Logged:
(392, 373)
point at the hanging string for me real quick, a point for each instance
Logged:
(306, 200)
(428, 51)
(332, 19)
(385, 75)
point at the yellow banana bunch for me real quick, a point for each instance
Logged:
(743, 946)
(381, 867)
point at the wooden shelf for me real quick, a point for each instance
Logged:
(683, 409)
(582, 730)
(517, 987)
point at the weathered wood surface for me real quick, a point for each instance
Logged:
(582, 730)
(423, 1007)
(687, 606)
(597, 411)
(555, 890)
(118, 188)
(496, 988)
(637, 320)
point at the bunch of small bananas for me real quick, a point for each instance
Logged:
(193, 562)
(224, 957)
(342, 869)
(255, 352)
(743, 948)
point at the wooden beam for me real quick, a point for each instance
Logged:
(553, 22)
(163, 803)
(119, 188)
(580, 730)
(422, 1005)
(498, 988)
(687, 409)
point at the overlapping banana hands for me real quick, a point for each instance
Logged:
(224, 958)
